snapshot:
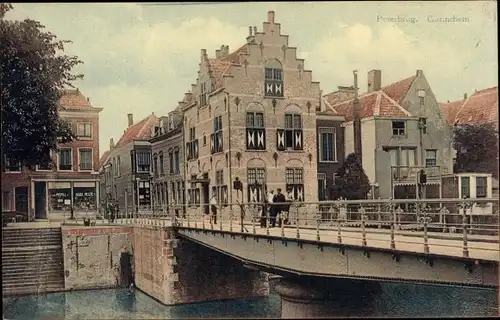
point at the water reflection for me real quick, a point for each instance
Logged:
(391, 300)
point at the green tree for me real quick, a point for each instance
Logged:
(33, 73)
(477, 148)
(352, 182)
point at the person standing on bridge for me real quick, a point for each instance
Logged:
(278, 203)
(213, 207)
(267, 209)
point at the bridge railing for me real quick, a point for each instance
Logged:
(338, 221)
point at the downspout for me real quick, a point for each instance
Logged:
(230, 191)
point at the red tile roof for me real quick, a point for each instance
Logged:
(376, 103)
(138, 131)
(233, 56)
(398, 90)
(73, 99)
(481, 107)
(218, 69)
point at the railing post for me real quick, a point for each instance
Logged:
(426, 238)
(393, 225)
(465, 252)
(195, 218)
(379, 217)
(230, 221)
(317, 229)
(297, 222)
(267, 222)
(363, 227)
(253, 221)
(339, 228)
(203, 215)
(220, 220)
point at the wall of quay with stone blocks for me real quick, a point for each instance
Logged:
(92, 255)
(171, 270)
(176, 271)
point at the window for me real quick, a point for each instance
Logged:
(155, 165)
(334, 178)
(255, 131)
(421, 97)
(422, 124)
(171, 161)
(294, 178)
(118, 166)
(85, 158)
(430, 158)
(6, 200)
(327, 145)
(193, 194)
(143, 161)
(407, 157)
(173, 193)
(273, 80)
(481, 190)
(220, 189)
(144, 191)
(398, 128)
(203, 94)
(160, 159)
(66, 159)
(204, 140)
(84, 130)
(291, 137)
(255, 183)
(177, 168)
(465, 186)
(132, 161)
(322, 190)
(216, 139)
(12, 166)
(192, 146)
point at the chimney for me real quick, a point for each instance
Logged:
(419, 73)
(254, 30)
(224, 51)
(374, 80)
(111, 143)
(203, 54)
(250, 37)
(88, 99)
(465, 96)
(217, 54)
(356, 118)
(250, 31)
(130, 119)
(270, 16)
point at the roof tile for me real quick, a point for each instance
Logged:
(138, 131)
(398, 90)
(73, 99)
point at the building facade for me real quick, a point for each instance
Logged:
(167, 148)
(126, 173)
(253, 119)
(402, 133)
(72, 183)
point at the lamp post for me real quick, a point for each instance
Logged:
(137, 179)
(424, 218)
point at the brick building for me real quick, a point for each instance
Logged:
(253, 118)
(167, 148)
(50, 193)
(402, 132)
(125, 172)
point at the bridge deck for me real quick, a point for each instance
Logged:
(381, 239)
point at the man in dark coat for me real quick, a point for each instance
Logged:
(277, 207)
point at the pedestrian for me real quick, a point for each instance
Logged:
(213, 209)
(266, 210)
(278, 203)
(111, 212)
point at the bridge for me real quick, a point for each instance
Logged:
(326, 249)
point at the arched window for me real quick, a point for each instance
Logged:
(273, 79)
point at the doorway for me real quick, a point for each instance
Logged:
(40, 200)
(206, 197)
(21, 201)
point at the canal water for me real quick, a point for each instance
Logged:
(393, 300)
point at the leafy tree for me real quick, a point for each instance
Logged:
(33, 73)
(352, 182)
(477, 148)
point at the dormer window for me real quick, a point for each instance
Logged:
(203, 94)
(421, 97)
(273, 79)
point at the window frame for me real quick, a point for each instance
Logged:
(80, 150)
(432, 159)
(483, 188)
(290, 131)
(398, 132)
(326, 131)
(468, 190)
(148, 156)
(324, 190)
(70, 157)
(84, 136)
(254, 117)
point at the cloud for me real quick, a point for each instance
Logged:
(385, 46)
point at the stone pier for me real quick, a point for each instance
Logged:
(176, 271)
(305, 298)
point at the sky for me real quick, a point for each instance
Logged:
(142, 58)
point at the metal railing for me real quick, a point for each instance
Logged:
(399, 223)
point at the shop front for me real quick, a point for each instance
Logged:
(63, 195)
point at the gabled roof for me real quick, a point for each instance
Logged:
(218, 68)
(104, 158)
(480, 108)
(371, 104)
(398, 90)
(233, 56)
(138, 131)
(73, 99)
